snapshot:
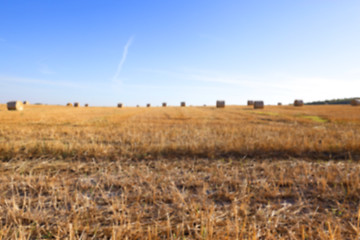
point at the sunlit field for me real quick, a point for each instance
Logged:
(321, 132)
(180, 172)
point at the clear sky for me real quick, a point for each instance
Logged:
(141, 51)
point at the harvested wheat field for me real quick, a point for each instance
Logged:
(180, 173)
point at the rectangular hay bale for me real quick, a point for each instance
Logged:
(220, 104)
(250, 103)
(298, 103)
(258, 104)
(355, 102)
(15, 106)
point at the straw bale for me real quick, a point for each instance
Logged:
(15, 106)
(220, 104)
(298, 103)
(250, 103)
(258, 104)
(355, 102)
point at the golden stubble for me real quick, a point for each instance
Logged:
(320, 132)
(180, 173)
(186, 198)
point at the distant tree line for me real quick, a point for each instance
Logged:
(332, 101)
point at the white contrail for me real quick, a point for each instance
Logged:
(123, 59)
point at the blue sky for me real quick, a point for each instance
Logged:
(138, 52)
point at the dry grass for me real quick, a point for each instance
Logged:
(180, 173)
(192, 199)
(326, 132)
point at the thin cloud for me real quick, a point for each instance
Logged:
(207, 76)
(12, 79)
(279, 86)
(123, 59)
(220, 79)
(45, 70)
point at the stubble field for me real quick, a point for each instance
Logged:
(180, 173)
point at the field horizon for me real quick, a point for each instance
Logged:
(313, 132)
